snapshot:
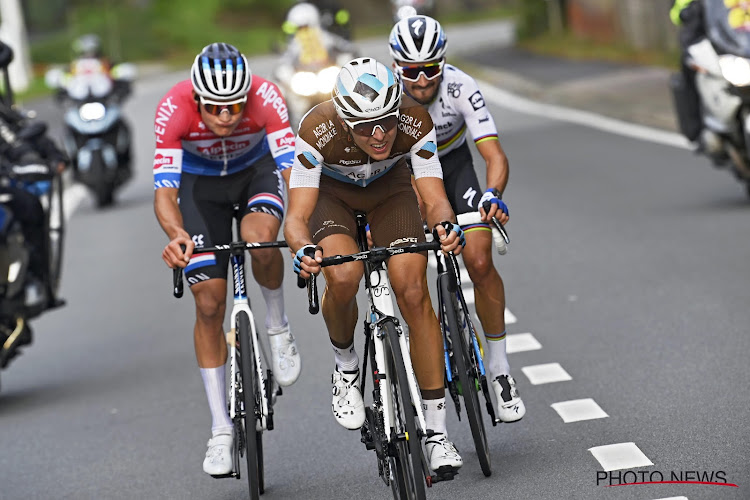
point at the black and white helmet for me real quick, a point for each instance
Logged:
(417, 39)
(221, 72)
(366, 89)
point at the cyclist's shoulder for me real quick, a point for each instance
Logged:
(455, 80)
(177, 109)
(414, 114)
(321, 126)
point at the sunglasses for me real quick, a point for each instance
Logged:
(216, 107)
(430, 71)
(366, 129)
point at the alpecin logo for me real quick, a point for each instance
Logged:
(608, 479)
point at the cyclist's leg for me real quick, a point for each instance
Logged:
(464, 193)
(396, 221)
(333, 228)
(264, 208)
(208, 221)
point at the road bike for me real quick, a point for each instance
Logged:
(465, 373)
(394, 421)
(251, 391)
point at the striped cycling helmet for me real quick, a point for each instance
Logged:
(366, 89)
(221, 72)
(417, 39)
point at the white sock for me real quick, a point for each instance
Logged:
(498, 358)
(434, 414)
(275, 315)
(346, 359)
(213, 382)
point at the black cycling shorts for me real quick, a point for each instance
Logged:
(207, 206)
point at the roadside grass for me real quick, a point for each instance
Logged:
(571, 47)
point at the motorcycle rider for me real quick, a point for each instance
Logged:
(310, 48)
(688, 16)
(418, 45)
(24, 203)
(333, 18)
(223, 140)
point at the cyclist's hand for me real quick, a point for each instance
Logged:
(498, 208)
(173, 254)
(304, 265)
(450, 236)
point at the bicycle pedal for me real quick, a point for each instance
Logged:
(445, 473)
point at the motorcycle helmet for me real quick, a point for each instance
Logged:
(417, 39)
(89, 45)
(366, 89)
(221, 72)
(303, 14)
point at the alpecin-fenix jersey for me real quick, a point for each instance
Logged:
(185, 144)
(460, 105)
(325, 146)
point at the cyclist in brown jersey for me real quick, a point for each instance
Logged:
(360, 140)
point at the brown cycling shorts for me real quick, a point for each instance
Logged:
(389, 201)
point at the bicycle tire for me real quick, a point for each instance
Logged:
(56, 233)
(407, 462)
(250, 392)
(466, 375)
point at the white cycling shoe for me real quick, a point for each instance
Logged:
(442, 455)
(347, 405)
(510, 407)
(287, 363)
(218, 461)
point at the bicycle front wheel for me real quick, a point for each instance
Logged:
(406, 451)
(251, 395)
(467, 372)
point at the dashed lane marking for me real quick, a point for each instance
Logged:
(673, 498)
(546, 373)
(578, 410)
(620, 456)
(520, 342)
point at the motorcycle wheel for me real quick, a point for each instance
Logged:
(56, 228)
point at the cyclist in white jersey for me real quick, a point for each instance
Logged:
(456, 105)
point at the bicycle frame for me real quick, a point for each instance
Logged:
(381, 309)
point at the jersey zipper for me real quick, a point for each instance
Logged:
(224, 150)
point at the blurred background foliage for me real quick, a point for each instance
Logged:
(141, 30)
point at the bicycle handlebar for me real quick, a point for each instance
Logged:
(499, 234)
(235, 246)
(372, 254)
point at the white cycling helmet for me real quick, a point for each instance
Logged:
(221, 72)
(366, 89)
(303, 14)
(417, 39)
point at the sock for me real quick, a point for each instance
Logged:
(434, 414)
(346, 359)
(275, 315)
(498, 362)
(213, 382)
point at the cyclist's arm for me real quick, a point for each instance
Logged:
(169, 216)
(304, 182)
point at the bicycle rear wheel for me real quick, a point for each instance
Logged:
(406, 452)
(251, 394)
(467, 373)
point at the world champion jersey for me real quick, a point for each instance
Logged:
(460, 105)
(325, 146)
(185, 144)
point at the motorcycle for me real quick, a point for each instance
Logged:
(25, 171)
(305, 87)
(97, 138)
(722, 65)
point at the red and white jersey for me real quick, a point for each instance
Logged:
(185, 144)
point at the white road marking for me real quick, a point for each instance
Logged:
(72, 198)
(546, 373)
(514, 102)
(620, 456)
(578, 410)
(521, 342)
(673, 498)
(509, 317)
(468, 293)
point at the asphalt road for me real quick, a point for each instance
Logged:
(627, 263)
